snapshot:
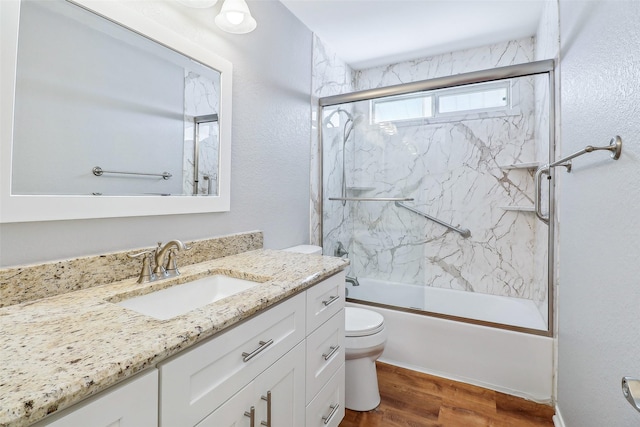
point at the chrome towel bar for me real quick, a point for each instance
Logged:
(373, 199)
(464, 232)
(615, 146)
(98, 171)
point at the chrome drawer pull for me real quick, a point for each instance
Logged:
(252, 416)
(331, 300)
(334, 409)
(268, 399)
(332, 350)
(263, 344)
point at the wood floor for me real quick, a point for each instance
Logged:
(413, 399)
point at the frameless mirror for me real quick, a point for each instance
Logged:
(113, 115)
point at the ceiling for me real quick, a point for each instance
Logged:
(369, 33)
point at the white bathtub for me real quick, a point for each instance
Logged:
(517, 312)
(512, 362)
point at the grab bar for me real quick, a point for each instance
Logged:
(373, 199)
(464, 232)
(615, 146)
(98, 171)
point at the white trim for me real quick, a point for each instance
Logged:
(25, 208)
(557, 419)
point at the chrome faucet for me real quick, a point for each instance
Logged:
(161, 270)
(352, 280)
(170, 268)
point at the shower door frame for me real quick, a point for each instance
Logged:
(483, 76)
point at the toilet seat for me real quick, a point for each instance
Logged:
(360, 322)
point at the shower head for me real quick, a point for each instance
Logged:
(327, 119)
(349, 125)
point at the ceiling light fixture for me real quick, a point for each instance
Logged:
(235, 17)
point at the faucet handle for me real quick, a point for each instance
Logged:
(146, 274)
(171, 267)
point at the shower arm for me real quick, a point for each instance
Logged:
(615, 146)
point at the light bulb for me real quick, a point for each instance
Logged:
(235, 17)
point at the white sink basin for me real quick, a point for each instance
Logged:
(180, 299)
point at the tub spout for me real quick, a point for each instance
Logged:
(352, 280)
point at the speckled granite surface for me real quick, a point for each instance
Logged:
(59, 350)
(27, 283)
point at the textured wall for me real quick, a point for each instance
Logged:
(599, 212)
(270, 146)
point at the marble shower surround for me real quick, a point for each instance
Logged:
(32, 282)
(389, 243)
(331, 76)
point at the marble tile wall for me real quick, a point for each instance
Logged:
(453, 171)
(331, 76)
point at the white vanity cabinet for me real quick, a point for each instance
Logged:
(325, 345)
(132, 403)
(274, 398)
(283, 367)
(281, 363)
(199, 380)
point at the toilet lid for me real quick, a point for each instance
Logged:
(361, 322)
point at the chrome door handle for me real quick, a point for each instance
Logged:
(331, 300)
(268, 399)
(332, 350)
(334, 409)
(263, 345)
(538, 196)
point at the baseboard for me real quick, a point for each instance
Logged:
(488, 386)
(557, 419)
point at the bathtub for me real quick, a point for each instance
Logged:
(504, 360)
(518, 312)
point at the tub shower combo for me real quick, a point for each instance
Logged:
(436, 192)
(441, 194)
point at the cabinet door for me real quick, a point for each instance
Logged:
(281, 389)
(133, 403)
(235, 412)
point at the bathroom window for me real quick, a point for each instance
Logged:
(403, 107)
(444, 103)
(482, 97)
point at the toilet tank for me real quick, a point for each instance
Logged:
(305, 249)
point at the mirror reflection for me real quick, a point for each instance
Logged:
(101, 110)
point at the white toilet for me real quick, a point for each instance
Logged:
(365, 340)
(364, 343)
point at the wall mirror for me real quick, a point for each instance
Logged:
(111, 115)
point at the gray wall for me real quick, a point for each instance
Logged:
(599, 212)
(270, 148)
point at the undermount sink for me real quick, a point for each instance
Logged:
(180, 299)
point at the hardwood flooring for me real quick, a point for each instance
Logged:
(414, 399)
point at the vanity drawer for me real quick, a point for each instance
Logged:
(325, 353)
(327, 409)
(199, 380)
(324, 300)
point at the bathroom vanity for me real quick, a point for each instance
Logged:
(271, 355)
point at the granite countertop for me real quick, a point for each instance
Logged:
(59, 350)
